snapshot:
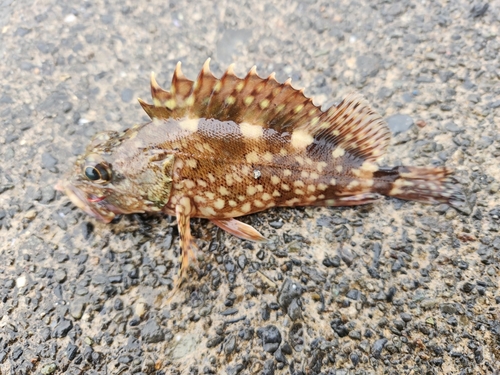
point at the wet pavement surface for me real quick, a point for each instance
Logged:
(394, 287)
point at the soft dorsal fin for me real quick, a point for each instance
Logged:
(353, 127)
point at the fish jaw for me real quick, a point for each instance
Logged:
(90, 205)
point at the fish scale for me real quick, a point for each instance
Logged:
(224, 148)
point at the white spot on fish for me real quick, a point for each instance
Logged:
(338, 152)
(252, 157)
(219, 204)
(190, 124)
(251, 130)
(301, 139)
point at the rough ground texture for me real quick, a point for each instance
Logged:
(391, 288)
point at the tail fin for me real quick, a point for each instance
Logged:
(422, 184)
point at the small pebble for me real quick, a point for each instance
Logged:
(140, 309)
(21, 281)
(30, 215)
(48, 369)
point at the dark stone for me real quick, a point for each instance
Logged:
(268, 368)
(77, 47)
(152, 333)
(230, 345)
(125, 359)
(445, 107)
(399, 123)
(45, 334)
(332, 261)
(484, 142)
(449, 308)
(406, 317)
(67, 107)
(286, 348)
(87, 229)
(399, 324)
(479, 10)
(5, 99)
(339, 327)
(127, 95)
(276, 224)
(279, 356)
(33, 194)
(261, 254)
(274, 306)
(62, 328)
(353, 294)
(368, 65)
(92, 356)
(99, 279)
(71, 351)
(17, 352)
(424, 79)
(107, 19)
(134, 273)
(315, 361)
(22, 31)
(354, 357)
(390, 294)
(385, 93)
(46, 47)
(242, 262)
(445, 76)
(48, 161)
(118, 304)
(495, 104)
(407, 97)
(452, 127)
(294, 310)
(231, 311)
(396, 266)
(314, 274)
(377, 347)
(271, 338)
(287, 294)
(246, 334)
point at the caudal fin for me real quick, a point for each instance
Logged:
(422, 184)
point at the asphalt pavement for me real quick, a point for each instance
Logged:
(390, 288)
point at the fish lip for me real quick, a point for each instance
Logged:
(96, 199)
(88, 203)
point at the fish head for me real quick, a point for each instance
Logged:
(114, 177)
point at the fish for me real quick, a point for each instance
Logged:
(222, 148)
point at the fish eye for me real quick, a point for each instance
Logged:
(98, 173)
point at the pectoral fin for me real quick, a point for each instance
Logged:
(239, 229)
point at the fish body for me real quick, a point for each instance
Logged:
(223, 148)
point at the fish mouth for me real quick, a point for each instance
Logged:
(91, 204)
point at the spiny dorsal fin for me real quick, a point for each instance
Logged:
(180, 89)
(160, 98)
(255, 100)
(353, 127)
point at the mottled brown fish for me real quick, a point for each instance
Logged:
(228, 147)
